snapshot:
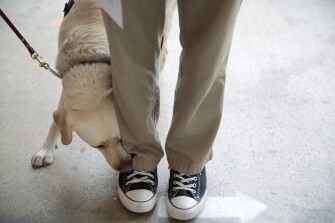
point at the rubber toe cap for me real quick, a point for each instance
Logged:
(183, 202)
(140, 195)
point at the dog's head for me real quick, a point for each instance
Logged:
(87, 108)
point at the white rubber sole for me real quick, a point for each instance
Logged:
(186, 214)
(138, 207)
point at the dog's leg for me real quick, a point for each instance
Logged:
(46, 154)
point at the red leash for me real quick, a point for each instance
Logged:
(31, 50)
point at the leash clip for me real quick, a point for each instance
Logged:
(42, 63)
(45, 65)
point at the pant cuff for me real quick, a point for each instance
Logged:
(141, 165)
(184, 168)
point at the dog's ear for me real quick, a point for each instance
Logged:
(59, 117)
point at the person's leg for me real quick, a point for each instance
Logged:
(206, 29)
(171, 6)
(135, 52)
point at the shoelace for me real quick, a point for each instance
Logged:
(184, 182)
(145, 178)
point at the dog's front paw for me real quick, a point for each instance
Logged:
(42, 158)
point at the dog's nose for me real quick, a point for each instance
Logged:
(125, 168)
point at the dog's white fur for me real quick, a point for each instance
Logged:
(86, 104)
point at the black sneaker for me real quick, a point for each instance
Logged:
(187, 195)
(137, 190)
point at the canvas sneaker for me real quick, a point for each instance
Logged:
(137, 190)
(186, 195)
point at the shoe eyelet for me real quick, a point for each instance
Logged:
(174, 182)
(194, 192)
(194, 185)
(127, 178)
(174, 175)
(196, 178)
(174, 189)
(153, 183)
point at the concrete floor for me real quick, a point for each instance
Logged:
(274, 154)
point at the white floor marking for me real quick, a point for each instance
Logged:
(240, 206)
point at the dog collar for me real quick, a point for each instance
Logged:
(68, 7)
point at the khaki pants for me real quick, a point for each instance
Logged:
(206, 28)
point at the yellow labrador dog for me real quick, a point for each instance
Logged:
(86, 104)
